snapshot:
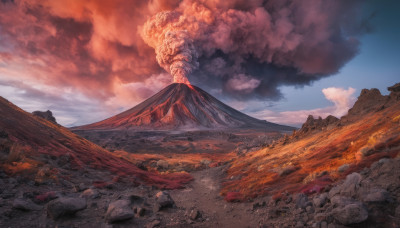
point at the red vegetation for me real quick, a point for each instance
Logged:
(47, 138)
(234, 197)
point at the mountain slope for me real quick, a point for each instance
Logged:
(322, 152)
(181, 106)
(42, 139)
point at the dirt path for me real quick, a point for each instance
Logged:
(203, 194)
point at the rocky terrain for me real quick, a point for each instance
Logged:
(331, 173)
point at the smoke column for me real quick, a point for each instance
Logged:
(175, 51)
(258, 44)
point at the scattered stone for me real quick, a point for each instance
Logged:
(163, 200)
(26, 205)
(90, 193)
(119, 210)
(299, 224)
(194, 214)
(320, 200)
(323, 224)
(302, 201)
(153, 224)
(350, 214)
(310, 209)
(65, 206)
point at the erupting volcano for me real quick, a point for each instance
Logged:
(183, 106)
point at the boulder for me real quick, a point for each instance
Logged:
(349, 187)
(194, 214)
(320, 200)
(65, 206)
(119, 210)
(90, 193)
(350, 214)
(375, 196)
(26, 205)
(163, 200)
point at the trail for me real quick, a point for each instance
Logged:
(203, 194)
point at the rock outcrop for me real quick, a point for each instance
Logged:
(47, 115)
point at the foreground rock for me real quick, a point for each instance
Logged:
(350, 214)
(119, 210)
(163, 200)
(26, 205)
(65, 206)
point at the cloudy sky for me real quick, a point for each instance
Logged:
(278, 60)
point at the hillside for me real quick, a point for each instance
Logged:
(30, 143)
(322, 151)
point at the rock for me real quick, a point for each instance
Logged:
(302, 201)
(312, 125)
(48, 115)
(65, 206)
(26, 205)
(90, 193)
(394, 88)
(320, 200)
(153, 224)
(343, 168)
(194, 214)
(340, 201)
(375, 196)
(350, 214)
(310, 209)
(350, 185)
(397, 212)
(163, 200)
(161, 164)
(119, 210)
(299, 224)
(140, 211)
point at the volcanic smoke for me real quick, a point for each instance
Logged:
(175, 51)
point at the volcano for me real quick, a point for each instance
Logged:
(184, 107)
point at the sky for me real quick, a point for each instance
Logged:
(274, 60)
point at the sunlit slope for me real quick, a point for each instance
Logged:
(309, 161)
(41, 137)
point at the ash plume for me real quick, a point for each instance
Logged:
(272, 42)
(239, 48)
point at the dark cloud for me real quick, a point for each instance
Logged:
(244, 49)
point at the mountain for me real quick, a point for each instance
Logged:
(182, 106)
(29, 144)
